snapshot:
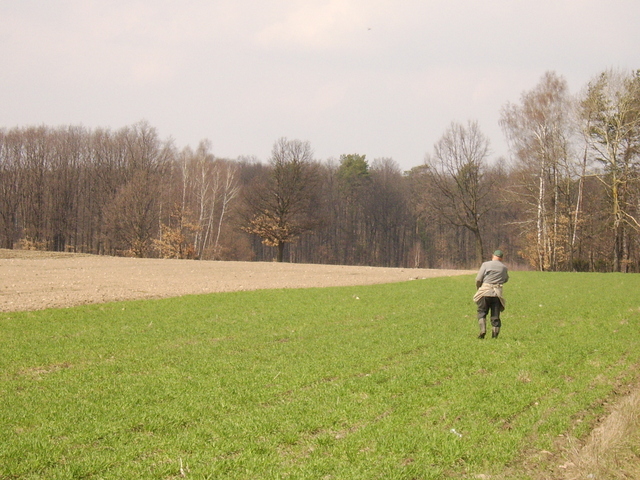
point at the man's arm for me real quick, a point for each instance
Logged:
(480, 276)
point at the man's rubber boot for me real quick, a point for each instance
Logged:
(482, 323)
(495, 332)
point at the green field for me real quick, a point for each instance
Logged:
(373, 382)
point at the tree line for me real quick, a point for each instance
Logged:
(567, 199)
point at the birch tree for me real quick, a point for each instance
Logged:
(610, 111)
(539, 134)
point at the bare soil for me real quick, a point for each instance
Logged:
(33, 280)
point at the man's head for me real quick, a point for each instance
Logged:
(497, 255)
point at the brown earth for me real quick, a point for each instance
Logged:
(31, 280)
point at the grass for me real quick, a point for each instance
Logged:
(385, 381)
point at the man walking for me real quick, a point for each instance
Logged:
(491, 276)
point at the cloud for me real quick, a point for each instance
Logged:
(319, 25)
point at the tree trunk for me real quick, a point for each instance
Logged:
(479, 247)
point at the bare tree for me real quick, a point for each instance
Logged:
(36, 160)
(208, 187)
(611, 115)
(539, 134)
(386, 214)
(10, 186)
(281, 207)
(127, 192)
(456, 171)
(68, 148)
(229, 191)
(131, 218)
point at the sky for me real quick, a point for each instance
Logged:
(381, 78)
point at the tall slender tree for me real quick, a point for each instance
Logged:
(539, 134)
(456, 171)
(354, 186)
(11, 187)
(611, 116)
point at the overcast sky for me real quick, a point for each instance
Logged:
(384, 78)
